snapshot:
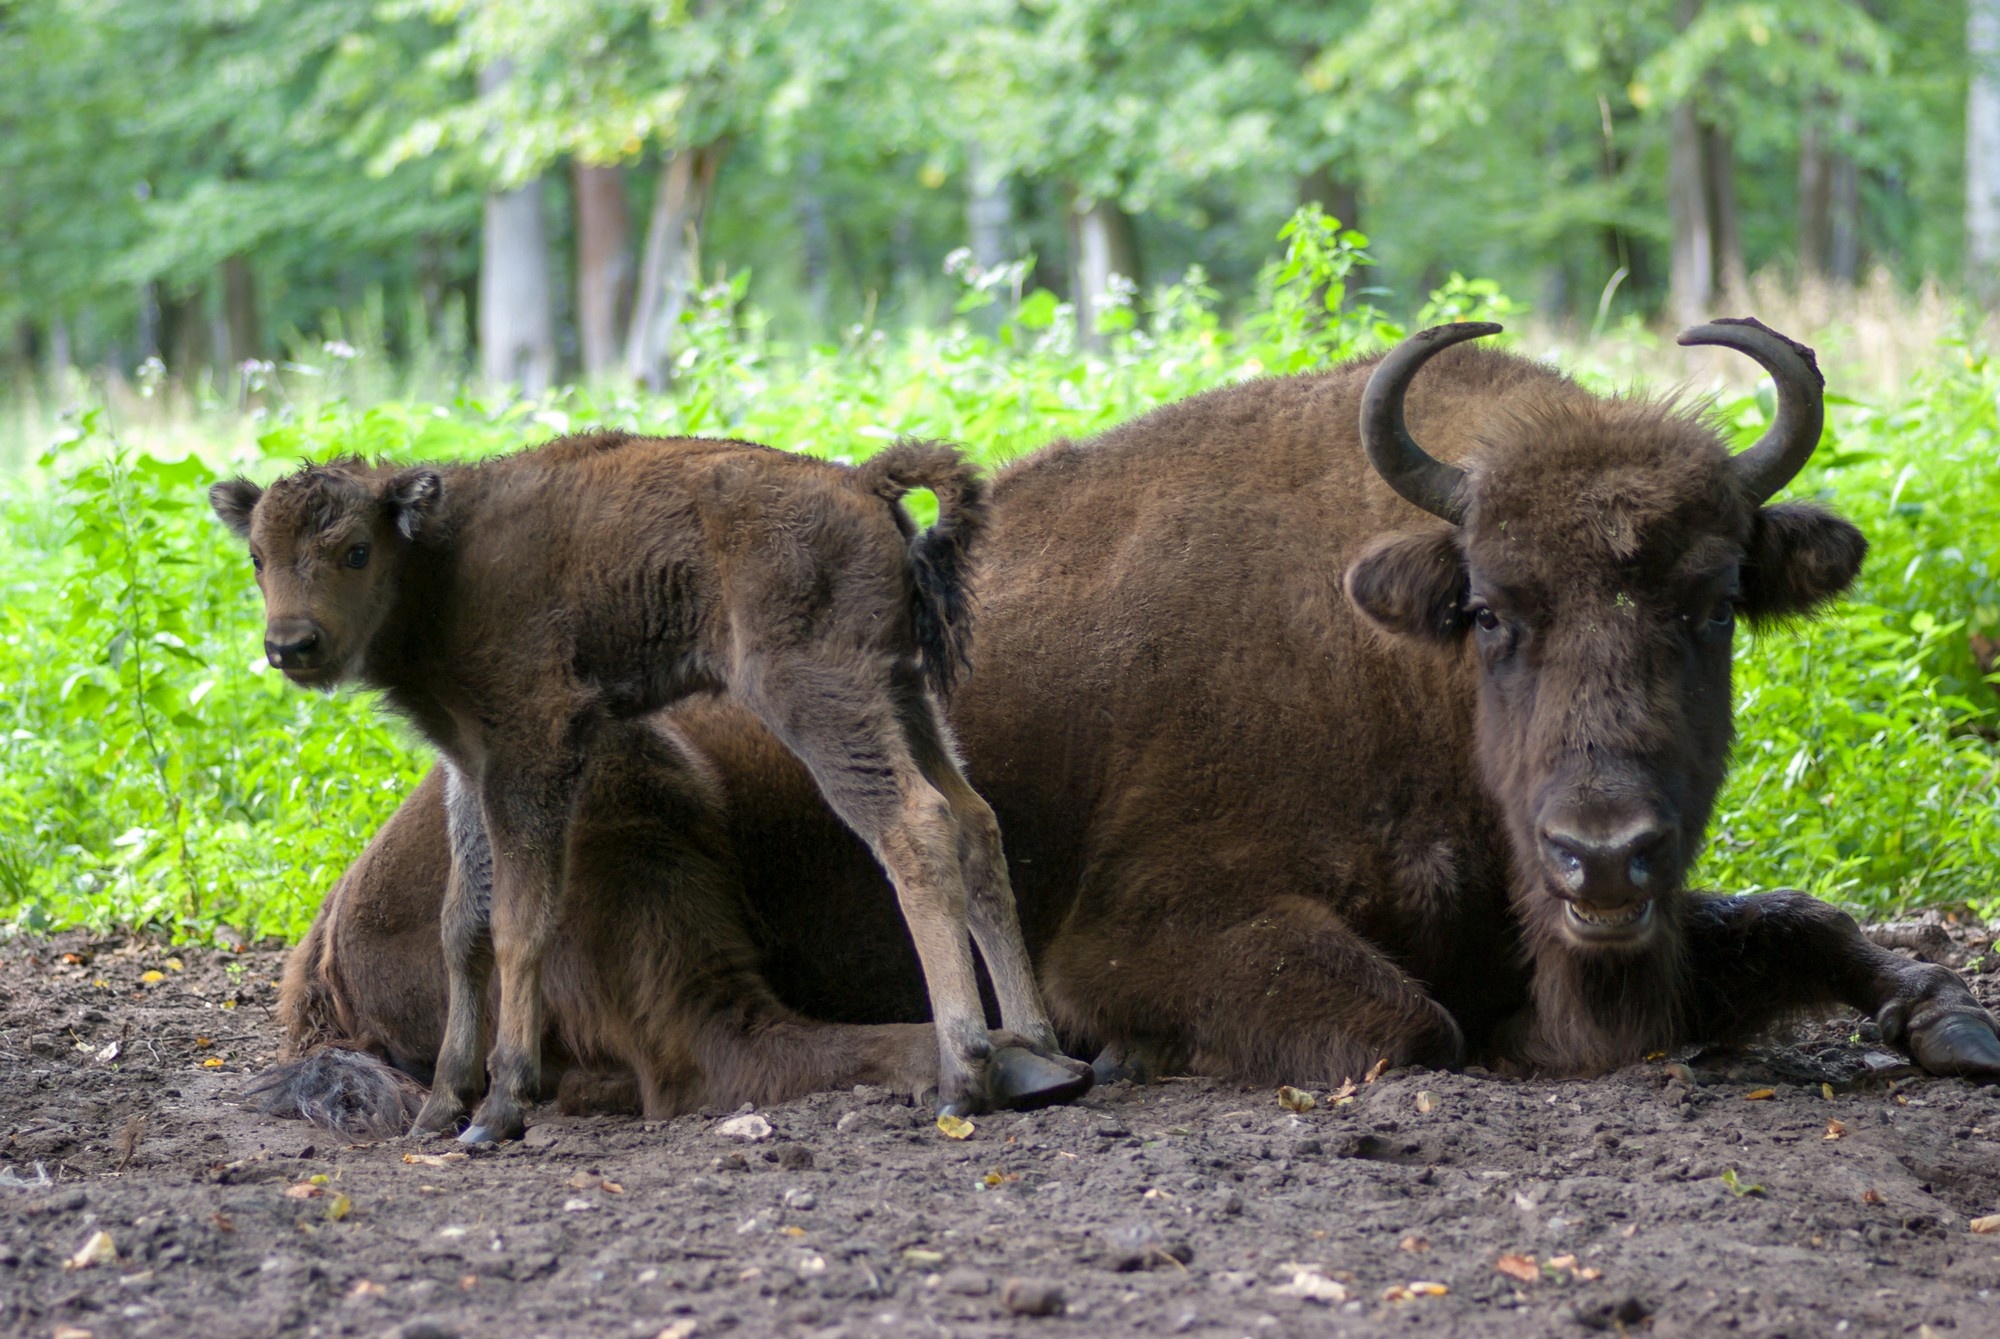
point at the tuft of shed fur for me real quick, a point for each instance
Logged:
(346, 1091)
(940, 557)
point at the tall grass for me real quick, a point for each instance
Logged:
(154, 773)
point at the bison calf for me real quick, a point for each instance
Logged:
(516, 609)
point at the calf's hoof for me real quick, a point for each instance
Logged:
(440, 1114)
(1962, 1043)
(494, 1123)
(1018, 1079)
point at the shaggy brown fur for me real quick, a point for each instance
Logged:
(517, 609)
(1275, 792)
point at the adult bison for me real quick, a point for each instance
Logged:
(1313, 745)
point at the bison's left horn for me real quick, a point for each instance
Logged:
(1421, 478)
(1783, 451)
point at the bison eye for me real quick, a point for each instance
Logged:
(1723, 616)
(256, 564)
(357, 556)
(1485, 618)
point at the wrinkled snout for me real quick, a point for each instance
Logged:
(1608, 868)
(294, 645)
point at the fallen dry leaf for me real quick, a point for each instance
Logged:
(918, 1256)
(304, 1190)
(1379, 1068)
(581, 1181)
(434, 1159)
(1414, 1244)
(1589, 1272)
(71, 1332)
(1342, 1093)
(338, 1207)
(1871, 1197)
(955, 1127)
(149, 977)
(203, 1043)
(680, 1329)
(1826, 1091)
(213, 1062)
(97, 1249)
(1427, 1102)
(1424, 1289)
(176, 965)
(1760, 1094)
(611, 1187)
(1309, 1285)
(366, 1288)
(1990, 1223)
(1295, 1099)
(1834, 1129)
(75, 959)
(1520, 1267)
(1562, 1262)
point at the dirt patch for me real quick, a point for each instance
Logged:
(1671, 1196)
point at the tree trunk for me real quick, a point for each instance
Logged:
(603, 264)
(815, 239)
(242, 334)
(672, 263)
(1332, 192)
(1102, 245)
(989, 211)
(517, 338)
(517, 329)
(1719, 161)
(1982, 149)
(60, 354)
(1815, 201)
(1691, 275)
(1844, 208)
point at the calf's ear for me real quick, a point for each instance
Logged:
(413, 495)
(1411, 585)
(1800, 558)
(233, 500)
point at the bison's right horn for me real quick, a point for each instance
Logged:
(1421, 478)
(1782, 451)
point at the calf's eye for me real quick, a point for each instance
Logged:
(357, 556)
(1723, 616)
(256, 563)
(1485, 618)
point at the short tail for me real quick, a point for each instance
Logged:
(940, 557)
(349, 1092)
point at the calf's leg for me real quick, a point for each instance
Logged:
(1752, 960)
(465, 925)
(526, 799)
(846, 728)
(989, 894)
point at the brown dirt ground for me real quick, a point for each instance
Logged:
(1643, 1200)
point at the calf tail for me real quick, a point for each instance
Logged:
(940, 557)
(348, 1092)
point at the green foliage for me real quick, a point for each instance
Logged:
(152, 772)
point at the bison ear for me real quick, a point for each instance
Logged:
(413, 496)
(233, 501)
(1800, 557)
(1412, 585)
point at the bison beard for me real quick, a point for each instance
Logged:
(1314, 746)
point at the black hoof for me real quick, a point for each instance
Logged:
(1020, 1080)
(1960, 1044)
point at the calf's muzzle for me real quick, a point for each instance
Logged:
(293, 644)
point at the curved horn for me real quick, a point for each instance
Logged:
(1406, 467)
(1782, 451)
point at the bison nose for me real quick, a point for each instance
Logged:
(292, 646)
(1608, 869)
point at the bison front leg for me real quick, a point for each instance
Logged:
(526, 802)
(465, 925)
(1754, 959)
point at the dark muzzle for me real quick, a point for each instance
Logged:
(294, 644)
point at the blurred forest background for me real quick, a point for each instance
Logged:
(534, 189)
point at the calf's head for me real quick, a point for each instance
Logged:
(1599, 557)
(328, 544)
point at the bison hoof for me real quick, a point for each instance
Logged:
(438, 1116)
(1961, 1043)
(1021, 1080)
